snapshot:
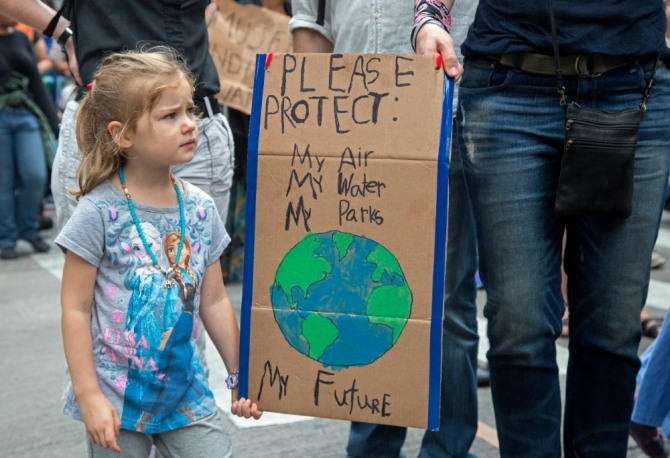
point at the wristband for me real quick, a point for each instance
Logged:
(433, 11)
(417, 27)
(49, 31)
(62, 39)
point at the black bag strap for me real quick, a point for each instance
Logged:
(51, 27)
(321, 12)
(559, 73)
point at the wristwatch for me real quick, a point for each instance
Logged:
(232, 380)
(62, 39)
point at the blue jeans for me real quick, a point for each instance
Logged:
(652, 407)
(458, 410)
(511, 128)
(23, 172)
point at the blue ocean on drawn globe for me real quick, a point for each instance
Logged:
(340, 299)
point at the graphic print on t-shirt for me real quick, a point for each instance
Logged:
(164, 375)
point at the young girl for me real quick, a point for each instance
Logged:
(129, 312)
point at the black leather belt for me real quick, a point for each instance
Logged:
(586, 66)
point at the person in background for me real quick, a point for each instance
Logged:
(45, 66)
(233, 256)
(511, 128)
(27, 120)
(40, 47)
(651, 414)
(103, 26)
(385, 28)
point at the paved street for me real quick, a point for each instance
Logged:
(32, 367)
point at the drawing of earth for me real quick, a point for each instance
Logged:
(340, 299)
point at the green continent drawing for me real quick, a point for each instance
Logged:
(340, 299)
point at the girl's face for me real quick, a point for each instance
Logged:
(168, 133)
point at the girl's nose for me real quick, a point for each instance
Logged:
(189, 123)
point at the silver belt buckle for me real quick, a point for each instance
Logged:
(582, 67)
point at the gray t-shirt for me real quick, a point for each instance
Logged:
(146, 360)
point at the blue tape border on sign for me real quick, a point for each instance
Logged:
(439, 257)
(250, 229)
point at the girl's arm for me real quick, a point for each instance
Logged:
(100, 417)
(218, 317)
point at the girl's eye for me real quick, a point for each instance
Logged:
(191, 111)
(170, 116)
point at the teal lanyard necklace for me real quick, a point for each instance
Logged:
(169, 282)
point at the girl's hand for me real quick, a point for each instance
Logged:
(245, 408)
(101, 420)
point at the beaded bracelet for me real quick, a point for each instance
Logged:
(429, 11)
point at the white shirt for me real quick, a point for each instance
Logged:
(374, 26)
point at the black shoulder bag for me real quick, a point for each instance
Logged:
(598, 154)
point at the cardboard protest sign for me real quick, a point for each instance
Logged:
(345, 243)
(236, 34)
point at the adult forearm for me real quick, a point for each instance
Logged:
(38, 15)
(308, 40)
(34, 13)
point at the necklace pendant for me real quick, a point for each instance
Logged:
(168, 273)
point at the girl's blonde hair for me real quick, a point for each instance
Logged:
(126, 85)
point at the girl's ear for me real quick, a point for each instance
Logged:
(115, 129)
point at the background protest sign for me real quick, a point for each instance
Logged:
(236, 34)
(345, 243)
